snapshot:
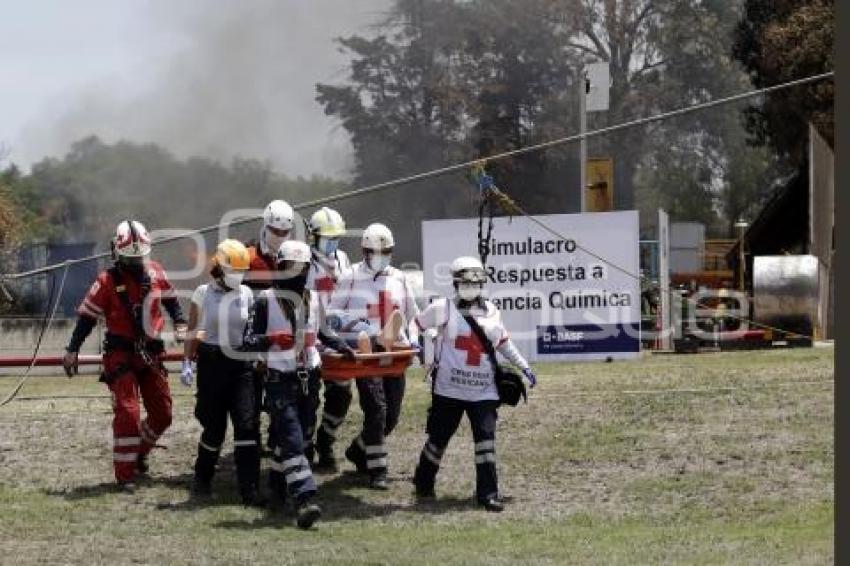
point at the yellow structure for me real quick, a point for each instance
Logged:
(600, 184)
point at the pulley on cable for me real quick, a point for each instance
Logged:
(491, 197)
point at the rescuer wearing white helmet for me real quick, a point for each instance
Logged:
(326, 228)
(284, 325)
(470, 330)
(128, 297)
(226, 382)
(376, 291)
(278, 227)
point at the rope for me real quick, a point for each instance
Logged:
(456, 168)
(48, 320)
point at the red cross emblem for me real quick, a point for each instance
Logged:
(473, 348)
(383, 308)
(324, 284)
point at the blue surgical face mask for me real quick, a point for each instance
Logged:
(327, 246)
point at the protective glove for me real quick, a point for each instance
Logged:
(284, 340)
(71, 363)
(187, 374)
(530, 377)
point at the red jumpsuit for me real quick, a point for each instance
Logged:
(126, 372)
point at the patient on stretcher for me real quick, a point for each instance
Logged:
(367, 337)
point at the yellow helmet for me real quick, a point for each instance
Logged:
(232, 254)
(327, 222)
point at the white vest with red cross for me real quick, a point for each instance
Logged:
(362, 293)
(464, 370)
(324, 274)
(304, 354)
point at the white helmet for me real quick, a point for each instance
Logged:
(327, 222)
(131, 240)
(278, 221)
(377, 237)
(468, 269)
(294, 251)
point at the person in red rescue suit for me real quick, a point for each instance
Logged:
(328, 264)
(278, 226)
(372, 289)
(463, 379)
(129, 297)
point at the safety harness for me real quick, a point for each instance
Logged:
(139, 344)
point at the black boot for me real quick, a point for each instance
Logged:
(201, 489)
(357, 456)
(379, 481)
(142, 466)
(492, 504)
(327, 463)
(306, 514)
(252, 497)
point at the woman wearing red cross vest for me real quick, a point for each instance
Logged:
(374, 290)
(128, 297)
(463, 379)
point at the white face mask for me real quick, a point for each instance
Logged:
(469, 291)
(272, 241)
(232, 279)
(379, 263)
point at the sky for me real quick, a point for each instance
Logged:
(200, 77)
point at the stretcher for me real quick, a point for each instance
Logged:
(379, 364)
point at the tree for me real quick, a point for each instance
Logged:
(779, 41)
(443, 81)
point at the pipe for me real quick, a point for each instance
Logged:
(83, 360)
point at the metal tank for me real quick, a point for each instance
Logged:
(785, 292)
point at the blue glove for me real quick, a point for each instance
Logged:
(529, 375)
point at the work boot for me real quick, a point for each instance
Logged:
(142, 466)
(357, 457)
(379, 481)
(201, 489)
(327, 462)
(252, 497)
(423, 494)
(306, 514)
(492, 504)
(128, 486)
(310, 453)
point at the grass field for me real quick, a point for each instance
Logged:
(711, 458)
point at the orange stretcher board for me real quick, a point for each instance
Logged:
(379, 364)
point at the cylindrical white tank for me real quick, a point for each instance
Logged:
(785, 292)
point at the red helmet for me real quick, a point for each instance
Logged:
(131, 240)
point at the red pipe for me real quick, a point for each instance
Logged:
(84, 360)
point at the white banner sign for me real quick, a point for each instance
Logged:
(574, 299)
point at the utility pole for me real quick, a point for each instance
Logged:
(593, 97)
(584, 83)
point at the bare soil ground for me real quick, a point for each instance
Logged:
(710, 458)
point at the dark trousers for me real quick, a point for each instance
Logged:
(226, 388)
(444, 417)
(337, 401)
(380, 400)
(292, 407)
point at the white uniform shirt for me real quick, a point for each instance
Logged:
(325, 272)
(222, 314)
(304, 354)
(464, 370)
(362, 293)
